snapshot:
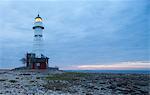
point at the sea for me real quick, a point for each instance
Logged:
(112, 71)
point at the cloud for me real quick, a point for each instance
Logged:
(115, 66)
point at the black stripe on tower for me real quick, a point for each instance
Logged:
(38, 27)
(37, 35)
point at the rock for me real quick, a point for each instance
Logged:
(111, 87)
(103, 88)
(89, 94)
(96, 88)
(144, 92)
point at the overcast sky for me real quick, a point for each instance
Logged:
(79, 34)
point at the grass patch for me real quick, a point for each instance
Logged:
(67, 76)
(57, 85)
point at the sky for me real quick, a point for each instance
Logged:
(78, 34)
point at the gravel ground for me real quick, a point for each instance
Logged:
(23, 82)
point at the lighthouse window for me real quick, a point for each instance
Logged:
(35, 35)
(38, 19)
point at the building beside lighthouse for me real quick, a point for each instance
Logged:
(34, 62)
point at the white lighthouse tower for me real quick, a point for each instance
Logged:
(38, 36)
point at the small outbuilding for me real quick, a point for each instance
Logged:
(33, 62)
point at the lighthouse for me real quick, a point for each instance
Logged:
(38, 36)
(36, 59)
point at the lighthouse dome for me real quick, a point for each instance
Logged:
(38, 23)
(38, 19)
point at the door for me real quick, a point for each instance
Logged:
(43, 66)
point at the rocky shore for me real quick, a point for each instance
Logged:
(23, 82)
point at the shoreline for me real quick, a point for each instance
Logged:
(112, 71)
